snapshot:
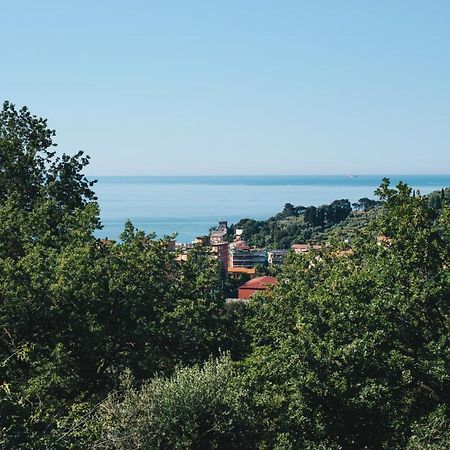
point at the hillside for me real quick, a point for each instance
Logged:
(298, 224)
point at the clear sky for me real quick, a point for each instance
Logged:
(236, 87)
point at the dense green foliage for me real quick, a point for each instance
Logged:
(349, 229)
(117, 345)
(76, 312)
(439, 198)
(295, 224)
(198, 407)
(349, 350)
(356, 348)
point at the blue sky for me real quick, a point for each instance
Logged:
(236, 87)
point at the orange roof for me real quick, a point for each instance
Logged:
(259, 283)
(249, 271)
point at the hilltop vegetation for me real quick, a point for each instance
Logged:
(300, 224)
(117, 346)
(338, 221)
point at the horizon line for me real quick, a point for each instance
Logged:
(347, 175)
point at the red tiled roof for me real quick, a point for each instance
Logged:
(241, 245)
(259, 283)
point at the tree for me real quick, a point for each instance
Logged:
(75, 311)
(197, 408)
(40, 193)
(48, 213)
(431, 432)
(300, 209)
(30, 169)
(289, 210)
(310, 215)
(366, 204)
(351, 350)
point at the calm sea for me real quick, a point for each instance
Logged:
(189, 206)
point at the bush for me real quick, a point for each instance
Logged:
(198, 407)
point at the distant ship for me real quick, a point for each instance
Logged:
(353, 175)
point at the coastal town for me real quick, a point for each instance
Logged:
(238, 259)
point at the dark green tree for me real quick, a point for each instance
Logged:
(352, 351)
(289, 210)
(75, 311)
(197, 408)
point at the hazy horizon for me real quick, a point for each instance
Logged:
(350, 175)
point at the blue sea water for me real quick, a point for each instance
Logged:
(191, 205)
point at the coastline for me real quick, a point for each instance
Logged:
(191, 205)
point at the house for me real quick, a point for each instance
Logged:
(181, 258)
(305, 248)
(255, 285)
(201, 240)
(241, 255)
(183, 246)
(219, 235)
(238, 233)
(219, 252)
(276, 256)
(300, 248)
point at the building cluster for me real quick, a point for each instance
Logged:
(237, 257)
